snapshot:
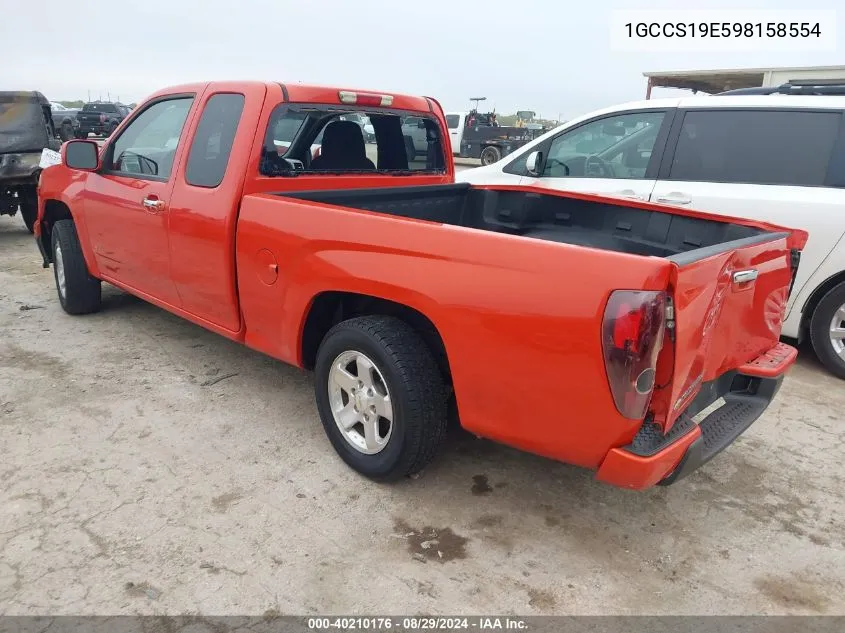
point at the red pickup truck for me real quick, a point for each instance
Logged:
(631, 338)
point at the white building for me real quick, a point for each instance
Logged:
(713, 81)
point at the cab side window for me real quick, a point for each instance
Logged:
(612, 147)
(147, 147)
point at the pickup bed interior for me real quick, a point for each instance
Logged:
(596, 224)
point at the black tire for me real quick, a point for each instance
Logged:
(110, 128)
(28, 206)
(820, 324)
(490, 155)
(66, 131)
(416, 389)
(82, 293)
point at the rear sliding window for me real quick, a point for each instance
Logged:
(757, 147)
(99, 107)
(329, 139)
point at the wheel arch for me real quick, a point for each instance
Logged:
(328, 308)
(54, 210)
(815, 298)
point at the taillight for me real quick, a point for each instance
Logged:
(632, 336)
(102, 118)
(365, 98)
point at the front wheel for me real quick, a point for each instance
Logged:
(79, 292)
(490, 155)
(827, 330)
(380, 396)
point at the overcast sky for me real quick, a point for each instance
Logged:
(549, 56)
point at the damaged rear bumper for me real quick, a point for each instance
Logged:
(721, 412)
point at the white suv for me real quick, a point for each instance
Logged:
(776, 157)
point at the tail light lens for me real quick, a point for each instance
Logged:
(632, 336)
(102, 118)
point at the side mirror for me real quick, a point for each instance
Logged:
(532, 163)
(80, 154)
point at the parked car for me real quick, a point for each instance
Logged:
(416, 137)
(490, 144)
(456, 121)
(26, 129)
(411, 296)
(777, 158)
(100, 118)
(64, 121)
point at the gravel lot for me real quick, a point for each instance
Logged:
(149, 466)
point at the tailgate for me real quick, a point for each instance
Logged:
(729, 305)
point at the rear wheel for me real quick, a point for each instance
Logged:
(380, 396)
(79, 292)
(28, 205)
(490, 155)
(66, 131)
(827, 330)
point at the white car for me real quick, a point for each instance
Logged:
(774, 157)
(456, 121)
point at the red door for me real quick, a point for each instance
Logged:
(126, 203)
(127, 225)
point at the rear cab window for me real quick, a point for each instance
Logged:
(453, 121)
(100, 107)
(770, 147)
(314, 139)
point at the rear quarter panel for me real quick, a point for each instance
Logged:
(520, 318)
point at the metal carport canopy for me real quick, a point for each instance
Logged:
(714, 81)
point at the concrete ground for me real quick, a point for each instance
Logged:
(149, 466)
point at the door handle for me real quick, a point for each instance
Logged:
(674, 198)
(745, 276)
(153, 205)
(629, 193)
